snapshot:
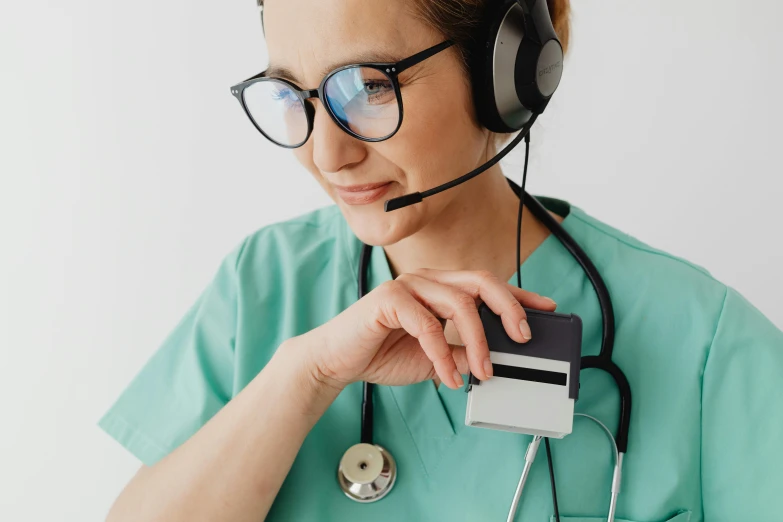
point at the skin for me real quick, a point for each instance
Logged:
(439, 140)
(233, 467)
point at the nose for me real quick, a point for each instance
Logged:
(333, 148)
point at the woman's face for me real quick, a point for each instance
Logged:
(438, 140)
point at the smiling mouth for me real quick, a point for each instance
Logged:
(362, 194)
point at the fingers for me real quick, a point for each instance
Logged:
(460, 355)
(450, 302)
(505, 300)
(531, 299)
(401, 310)
(420, 302)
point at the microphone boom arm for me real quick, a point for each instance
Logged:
(417, 197)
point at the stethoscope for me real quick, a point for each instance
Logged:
(367, 471)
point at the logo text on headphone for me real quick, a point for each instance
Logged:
(553, 67)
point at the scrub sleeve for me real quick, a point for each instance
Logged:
(742, 417)
(188, 380)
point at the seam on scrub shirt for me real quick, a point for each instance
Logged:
(349, 254)
(238, 293)
(241, 253)
(410, 433)
(136, 438)
(647, 249)
(701, 398)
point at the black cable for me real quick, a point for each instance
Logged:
(552, 478)
(519, 284)
(367, 413)
(521, 206)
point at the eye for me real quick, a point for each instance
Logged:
(377, 86)
(286, 96)
(379, 91)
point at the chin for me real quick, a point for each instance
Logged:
(373, 226)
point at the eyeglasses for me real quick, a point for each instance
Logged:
(362, 99)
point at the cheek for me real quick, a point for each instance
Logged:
(441, 140)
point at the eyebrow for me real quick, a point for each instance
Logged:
(365, 57)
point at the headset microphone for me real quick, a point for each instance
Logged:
(417, 197)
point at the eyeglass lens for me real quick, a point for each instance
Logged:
(277, 111)
(362, 99)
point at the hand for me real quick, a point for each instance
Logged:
(394, 335)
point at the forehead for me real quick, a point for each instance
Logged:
(310, 37)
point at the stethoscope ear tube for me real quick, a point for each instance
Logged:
(367, 410)
(624, 423)
(602, 361)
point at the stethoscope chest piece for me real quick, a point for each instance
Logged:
(366, 473)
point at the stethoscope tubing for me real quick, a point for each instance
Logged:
(602, 361)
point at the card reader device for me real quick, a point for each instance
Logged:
(534, 384)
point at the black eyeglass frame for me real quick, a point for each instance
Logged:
(390, 70)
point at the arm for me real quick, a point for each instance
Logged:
(742, 417)
(233, 467)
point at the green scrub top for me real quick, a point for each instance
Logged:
(704, 365)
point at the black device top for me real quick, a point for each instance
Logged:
(555, 336)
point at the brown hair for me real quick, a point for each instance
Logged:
(457, 20)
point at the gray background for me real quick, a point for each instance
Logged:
(127, 171)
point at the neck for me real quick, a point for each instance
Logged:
(476, 231)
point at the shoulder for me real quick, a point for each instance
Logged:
(656, 295)
(300, 243)
(675, 289)
(628, 259)
(293, 275)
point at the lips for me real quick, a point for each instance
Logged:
(362, 194)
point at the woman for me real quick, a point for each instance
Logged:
(247, 408)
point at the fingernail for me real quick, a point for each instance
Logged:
(524, 328)
(551, 301)
(488, 367)
(458, 378)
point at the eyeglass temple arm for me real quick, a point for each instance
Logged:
(260, 4)
(420, 57)
(259, 75)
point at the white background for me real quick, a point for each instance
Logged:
(128, 171)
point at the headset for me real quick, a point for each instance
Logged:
(515, 64)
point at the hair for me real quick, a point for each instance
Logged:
(457, 20)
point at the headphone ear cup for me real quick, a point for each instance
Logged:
(515, 65)
(539, 65)
(525, 73)
(482, 70)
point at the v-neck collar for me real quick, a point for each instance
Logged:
(420, 405)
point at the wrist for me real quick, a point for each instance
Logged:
(318, 389)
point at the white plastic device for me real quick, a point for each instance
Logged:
(535, 384)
